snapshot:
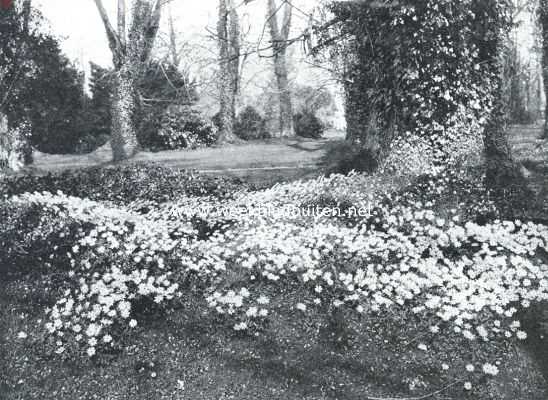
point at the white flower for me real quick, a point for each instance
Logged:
(470, 368)
(240, 327)
(252, 312)
(90, 351)
(132, 323)
(490, 369)
(93, 330)
(422, 347)
(521, 335)
(22, 335)
(467, 386)
(301, 307)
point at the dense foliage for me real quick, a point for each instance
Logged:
(162, 88)
(250, 125)
(419, 76)
(39, 85)
(308, 125)
(123, 184)
(182, 128)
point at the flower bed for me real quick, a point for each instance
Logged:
(419, 269)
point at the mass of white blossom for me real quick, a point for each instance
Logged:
(463, 278)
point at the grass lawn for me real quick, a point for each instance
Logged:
(261, 161)
(186, 354)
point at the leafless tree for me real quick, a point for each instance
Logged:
(543, 22)
(131, 49)
(228, 37)
(279, 35)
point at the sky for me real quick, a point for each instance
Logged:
(78, 24)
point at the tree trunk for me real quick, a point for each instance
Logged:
(501, 170)
(280, 34)
(228, 31)
(545, 84)
(124, 140)
(130, 53)
(4, 145)
(286, 128)
(543, 19)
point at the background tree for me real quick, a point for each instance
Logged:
(15, 66)
(100, 86)
(279, 35)
(543, 22)
(19, 25)
(491, 32)
(53, 100)
(131, 50)
(228, 36)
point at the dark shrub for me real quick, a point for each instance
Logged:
(522, 116)
(345, 157)
(250, 125)
(124, 184)
(180, 127)
(308, 125)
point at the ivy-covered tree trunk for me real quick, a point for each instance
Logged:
(124, 139)
(284, 92)
(4, 145)
(130, 52)
(228, 32)
(502, 172)
(280, 35)
(543, 21)
(501, 169)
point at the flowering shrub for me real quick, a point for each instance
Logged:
(417, 273)
(183, 128)
(457, 142)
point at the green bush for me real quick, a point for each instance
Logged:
(250, 125)
(308, 125)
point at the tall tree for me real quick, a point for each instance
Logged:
(279, 36)
(228, 36)
(543, 22)
(15, 70)
(131, 49)
(15, 67)
(492, 27)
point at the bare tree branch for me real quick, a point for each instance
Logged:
(113, 39)
(122, 22)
